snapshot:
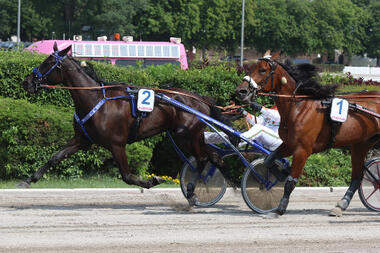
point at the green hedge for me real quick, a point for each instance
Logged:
(218, 81)
(32, 133)
(20, 157)
(33, 127)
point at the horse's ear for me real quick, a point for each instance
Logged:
(55, 47)
(267, 53)
(276, 55)
(64, 51)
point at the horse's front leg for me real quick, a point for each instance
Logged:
(69, 149)
(118, 152)
(299, 160)
(358, 153)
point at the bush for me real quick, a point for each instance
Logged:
(216, 81)
(347, 83)
(139, 157)
(330, 168)
(31, 134)
(14, 67)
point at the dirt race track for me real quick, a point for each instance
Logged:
(127, 220)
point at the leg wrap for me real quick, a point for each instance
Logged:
(288, 188)
(345, 201)
(190, 190)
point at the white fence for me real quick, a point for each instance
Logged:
(365, 72)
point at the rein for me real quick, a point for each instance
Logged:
(123, 86)
(308, 96)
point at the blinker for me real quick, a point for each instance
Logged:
(250, 81)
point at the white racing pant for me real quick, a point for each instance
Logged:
(214, 138)
(266, 136)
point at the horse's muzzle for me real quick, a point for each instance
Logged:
(242, 93)
(30, 86)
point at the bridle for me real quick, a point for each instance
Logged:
(256, 87)
(39, 78)
(273, 65)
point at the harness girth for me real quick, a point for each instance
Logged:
(137, 115)
(334, 131)
(334, 124)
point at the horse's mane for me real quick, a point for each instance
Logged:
(307, 81)
(88, 68)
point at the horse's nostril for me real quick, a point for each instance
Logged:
(242, 92)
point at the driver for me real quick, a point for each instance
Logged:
(264, 128)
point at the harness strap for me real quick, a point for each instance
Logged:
(137, 115)
(80, 123)
(334, 131)
(58, 60)
(334, 124)
(97, 107)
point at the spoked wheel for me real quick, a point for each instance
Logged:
(255, 194)
(209, 189)
(369, 190)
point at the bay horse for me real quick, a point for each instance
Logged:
(305, 126)
(113, 126)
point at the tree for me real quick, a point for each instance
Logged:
(373, 42)
(169, 18)
(341, 25)
(32, 23)
(272, 27)
(303, 35)
(214, 24)
(213, 29)
(233, 9)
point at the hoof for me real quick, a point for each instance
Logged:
(157, 180)
(337, 212)
(281, 209)
(23, 185)
(192, 200)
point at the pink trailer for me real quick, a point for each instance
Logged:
(122, 53)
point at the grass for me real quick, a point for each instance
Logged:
(90, 182)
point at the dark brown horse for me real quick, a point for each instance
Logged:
(306, 127)
(113, 125)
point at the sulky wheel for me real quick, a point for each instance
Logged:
(209, 189)
(369, 190)
(255, 194)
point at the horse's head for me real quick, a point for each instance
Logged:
(49, 72)
(261, 78)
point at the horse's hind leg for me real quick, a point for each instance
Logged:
(129, 178)
(358, 153)
(70, 148)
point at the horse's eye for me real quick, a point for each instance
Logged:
(262, 70)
